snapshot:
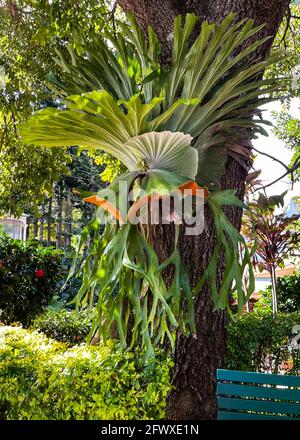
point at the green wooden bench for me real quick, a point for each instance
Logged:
(243, 396)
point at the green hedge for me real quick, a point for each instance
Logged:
(44, 379)
(65, 325)
(259, 343)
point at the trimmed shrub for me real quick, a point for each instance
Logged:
(44, 379)
(65, 325)
(28, 277)
(260, 343)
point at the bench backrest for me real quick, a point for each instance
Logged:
(243, 395)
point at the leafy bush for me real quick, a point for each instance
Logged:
(264, 304)
(259, 343)
(44, 379)
(28, 277)
(288, 293)
(65, 325)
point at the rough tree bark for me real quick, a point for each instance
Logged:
(196, 360)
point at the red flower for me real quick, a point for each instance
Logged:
(1, 264)
(39, 273)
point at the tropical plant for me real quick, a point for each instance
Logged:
(274, 235)
(169, 127)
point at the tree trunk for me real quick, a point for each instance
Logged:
(59, 219)
(274, 291)
(196, 359)
(49, 221)
(29, 223)
(35, 228)
(41, 239)
(68, 220)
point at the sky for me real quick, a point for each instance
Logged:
(272, 145)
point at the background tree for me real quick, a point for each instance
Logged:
(288, 41)
(30, 33)
(287, 127)
(288, 130)
(36, 180)
(288, 294)
(59, 219)
(27, 173)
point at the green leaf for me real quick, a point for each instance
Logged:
(226, 198)
(164, 151)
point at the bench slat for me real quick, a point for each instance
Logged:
(230, 415)
(261, 378)
(259, 405)
(230, 389)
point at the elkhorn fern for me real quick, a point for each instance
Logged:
(172, 129)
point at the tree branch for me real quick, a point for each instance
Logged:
(290, 170)
(112, 14)
(271, 157)
(286, 29)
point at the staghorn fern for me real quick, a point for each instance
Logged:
(172, 129)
